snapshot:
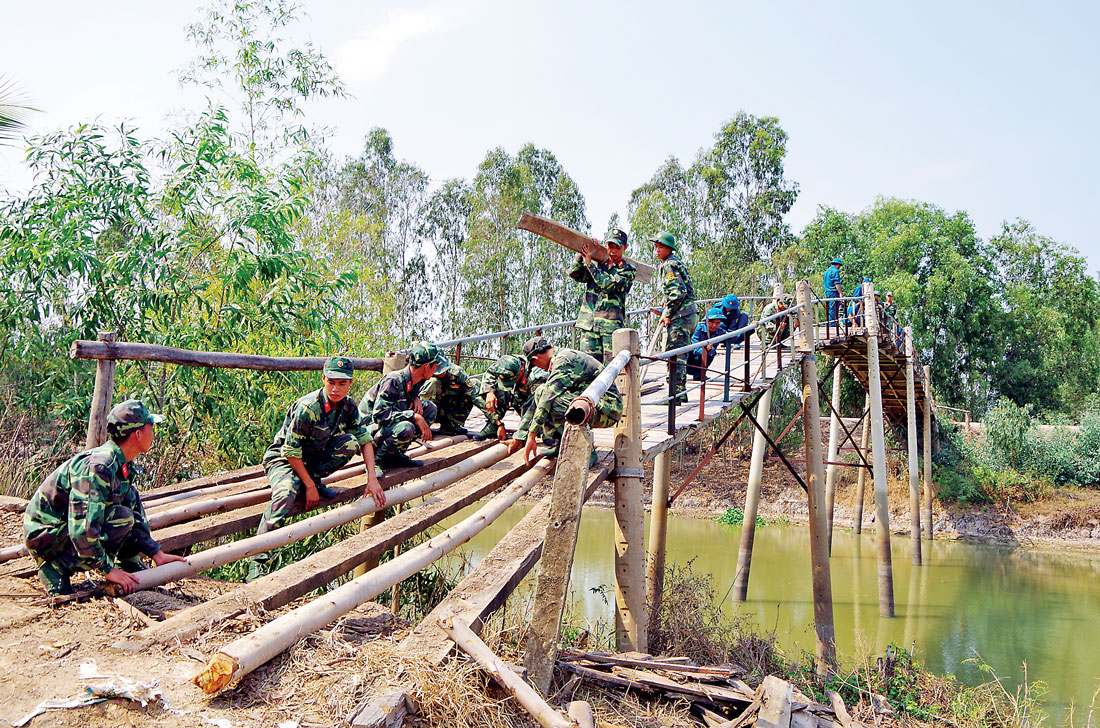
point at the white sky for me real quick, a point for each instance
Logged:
(988, 107)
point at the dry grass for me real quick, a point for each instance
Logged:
(27, 453)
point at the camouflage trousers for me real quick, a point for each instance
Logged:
(596, 344)
(679, 334)
(58, 559)
(287, 487)
(609, 410)
(452, 406)
(397, 437)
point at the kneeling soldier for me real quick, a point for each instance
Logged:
(509, 383)
(454, 395)
(570, 372)
(713, 326)
(321, 432)
(87, 515)
(393, 412)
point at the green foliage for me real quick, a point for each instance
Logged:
(13, 111)
(736, 517)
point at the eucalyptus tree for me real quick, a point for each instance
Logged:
(14, 111)
(445, 225)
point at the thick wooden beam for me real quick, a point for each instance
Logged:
(287, 584)
(110, 351)
(102, 395)
(552, 585)
(570, 238)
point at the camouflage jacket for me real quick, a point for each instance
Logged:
(570, 372)
(771, 327)
(605, 288)
(678, 291)
(519, 389)
(75, 497)
(449, 381)
(311, 422)
(390, 400)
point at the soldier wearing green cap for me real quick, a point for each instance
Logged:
(677, 311)
(87, 515)
(508, 383)
(454, 395)
(606, 285)
(320, 434)
(570, 372)
(393, 411)
(777, 330)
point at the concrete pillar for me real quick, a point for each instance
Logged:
(878, 460)
(752, 498)
(655, 561)
(911, 437)
(630, 620)
(831, 470)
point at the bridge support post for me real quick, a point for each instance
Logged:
(861, 478)
(815, 489)
(562, 525)
(630, 620)
(911, 437)
(878, 459)
(752, 498)
(392, 362)
(102, 395)
(658, 518)
(832, 470)
(928, 452)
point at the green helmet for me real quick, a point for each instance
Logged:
(507, 367)
(423, 352)
(665, 238)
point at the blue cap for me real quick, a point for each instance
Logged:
(731, 301)
(715, 313)
(837, 261)
(866, 279)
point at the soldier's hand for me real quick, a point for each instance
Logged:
(161, 558)
(665, 320)
(376, 492)
(502, 433)
(491, 401)
(312, 497)
(587, 250)
(513, 445)
(125, 581)
(418, 407)
(528, 451)
(425, 430)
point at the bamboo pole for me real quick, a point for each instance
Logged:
(392, 362)
(911, 437)
(246, 547)
(928, 452)
(815, 489)
(752, 498)
(861, 477)
(465, 639)
(101, 396)
(658, 522)
(241, 657)
(878, 460)
(552, 584)
(108, 350)
(630, 621)
(832, 471)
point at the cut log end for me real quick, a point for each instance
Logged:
(218, 673)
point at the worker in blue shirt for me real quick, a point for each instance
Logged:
(732, 318)
(712, 327)
(831, 281)
(856, 307)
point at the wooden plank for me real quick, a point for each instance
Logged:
(487, 587)
(183, 535)
(108, 351)
(286, 584)
(713, 693)
(573, 240)
(775, 712)
(609, 659)
(552, 586)
(229, 476)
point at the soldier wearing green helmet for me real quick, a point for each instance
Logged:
(678, 311)
(320, 434)
(393, 411)
(88, 516)
(606, 285)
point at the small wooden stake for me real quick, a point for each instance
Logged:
(102, 395)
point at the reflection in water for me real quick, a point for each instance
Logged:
(1006, 604)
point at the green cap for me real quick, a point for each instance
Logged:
(786, 299)
(129, 416)
(339, 367)
(507, 367)
(616, 237)
(423, 352)
(665, 238)
(535, 346)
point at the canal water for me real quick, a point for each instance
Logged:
(1004, 604)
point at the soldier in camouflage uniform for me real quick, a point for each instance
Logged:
(393, 412)
(606, 286)
(87, 515)
(321, 432)
(778, 330)
(454, 395)
(570, 372)
(678, 311)
(509, 383)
